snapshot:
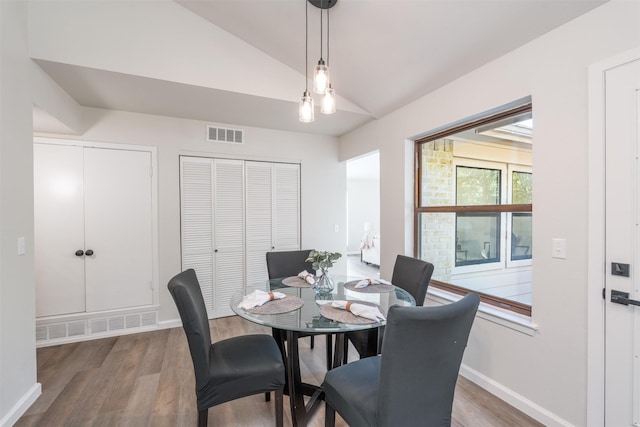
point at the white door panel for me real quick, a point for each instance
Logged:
(287, 207)
(196, 208)
(259, 219)
(229, 205)
(229, 234)
(118, 191)
(229, 211)
(622, 322)
(259, 206)
(59, 229)
(229, 280)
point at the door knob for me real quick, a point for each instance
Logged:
(622, 298)
(79, 252)
(89, 252)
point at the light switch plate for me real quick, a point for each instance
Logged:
(559, 248)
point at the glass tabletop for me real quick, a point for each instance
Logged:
(308, 318)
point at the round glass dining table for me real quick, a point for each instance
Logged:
(307, 319)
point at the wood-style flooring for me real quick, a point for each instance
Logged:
(147, 380)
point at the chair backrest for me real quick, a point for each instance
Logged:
(185, 290)
(422, 351)
(412, 275)
(288, 263)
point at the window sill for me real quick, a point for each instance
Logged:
(509, 319)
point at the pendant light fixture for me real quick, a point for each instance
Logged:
(305, 108)
(321, 72)
(329, 99)
(321, 83)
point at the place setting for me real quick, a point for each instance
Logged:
(262, 302)
(352, 312)
(304, 279)
(371, 286)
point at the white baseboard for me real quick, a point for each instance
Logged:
(168, 324)
(110, 334)
(21, 406)
(523, 404)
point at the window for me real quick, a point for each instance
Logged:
(474, 207)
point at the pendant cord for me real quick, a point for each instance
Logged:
(321, 4)
(306, 45)
(328, 33)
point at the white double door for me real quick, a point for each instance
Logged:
(93, 229)
(232, 213)
(622, 249)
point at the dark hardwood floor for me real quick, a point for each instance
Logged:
(147, 380)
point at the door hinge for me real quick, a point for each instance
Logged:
(604, 293)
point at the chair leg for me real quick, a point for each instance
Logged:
(267, 397)
(279, 404)
(311, 344)
(203, 417)
(345, 357)
(329, 416)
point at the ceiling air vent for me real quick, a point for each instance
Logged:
(231, 136)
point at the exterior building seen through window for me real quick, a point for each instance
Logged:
(473, 214)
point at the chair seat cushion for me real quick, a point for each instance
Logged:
(241, 366)
(352, 390)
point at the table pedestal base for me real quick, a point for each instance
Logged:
(294, 387)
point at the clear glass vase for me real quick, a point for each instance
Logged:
(324, 283)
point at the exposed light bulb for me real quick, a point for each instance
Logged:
(320, 77)
(305, 108)
(329, 101)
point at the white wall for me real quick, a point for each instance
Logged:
(18, 387)
(323, 205)
(545, 373)
(363, 197)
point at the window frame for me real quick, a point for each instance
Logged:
(517, 108)
(482, 164)
(519, 262)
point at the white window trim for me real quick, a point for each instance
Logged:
(507, 318)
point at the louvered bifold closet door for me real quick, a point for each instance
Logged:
(229, 248)
(286, 230)
(259, 215)
(196, 181)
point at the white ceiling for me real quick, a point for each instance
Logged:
(383, 55)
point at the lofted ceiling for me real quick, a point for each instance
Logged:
(383, 55)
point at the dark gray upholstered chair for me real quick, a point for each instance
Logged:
(412, 383)
(412, 275)
(287, 264)
(231, 368)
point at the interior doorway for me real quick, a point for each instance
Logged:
(363, 215)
